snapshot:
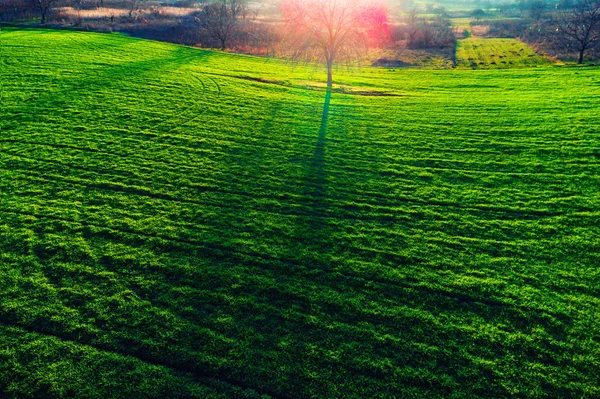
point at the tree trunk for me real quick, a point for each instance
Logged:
(580, 60)
(133, 4)
(329, 74)
(223, 44)
(43, 18)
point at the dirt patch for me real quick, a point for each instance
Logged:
(390, 63)
(320, 87)
(260, 80)
(373, 94)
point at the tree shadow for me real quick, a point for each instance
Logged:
(314, 226)
(317, 177)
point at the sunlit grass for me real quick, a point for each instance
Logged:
(463, 23)
(486, 53)
(186, 223)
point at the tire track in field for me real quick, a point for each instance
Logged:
(185, 110)
(218, 250)
(407, 288)
(6, 65)
(205, 106)
(384, 202)
(341, 171)
(217, 205)
(347, 217)
(278, 147)
(286, 212)
(214, 249)
(7, 320)
(216, 84)
(195, 76)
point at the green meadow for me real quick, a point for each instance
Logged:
(491, 53)
(180, 223)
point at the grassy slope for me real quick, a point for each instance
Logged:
(488, 53)
(167, 224)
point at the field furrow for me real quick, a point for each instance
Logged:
(177, 222)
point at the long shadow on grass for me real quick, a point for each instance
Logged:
(317, 176)
(111, 75)
(312, 228)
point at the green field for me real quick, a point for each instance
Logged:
(186, 223)
(486, 53)
(463, 22)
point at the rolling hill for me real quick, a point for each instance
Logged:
(185, 223)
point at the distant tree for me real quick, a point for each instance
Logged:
(406, 4)
(506, 7)
(535, 9)
(219, 20)
(477, 14)
(438, 11)
(43, 6)
(564, 5)
(330, 31)
(579, 29)
(429, 32)
(377, 26)
(134, 5)
(412, 25)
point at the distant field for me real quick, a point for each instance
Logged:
(103, 12)
(463, 23)
(485, 53)
(186, 223)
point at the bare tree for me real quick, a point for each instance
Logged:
(331, 31)
(134, 5)
(506, 7)
(43, 6)
(477, 14)
(580, 28)
(219, 20)
(412, 25)
(378, 25)
(534, 8)
(429, 32)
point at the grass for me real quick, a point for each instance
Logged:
(186, 223)
(485, 53)
(462, 22)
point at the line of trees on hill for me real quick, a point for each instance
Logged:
(434, 30)
(563, 27)
(223, 23)
(572, 28)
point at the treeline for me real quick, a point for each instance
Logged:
(566, 29)
(422, 32)
(231, 24)
(15, 10)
